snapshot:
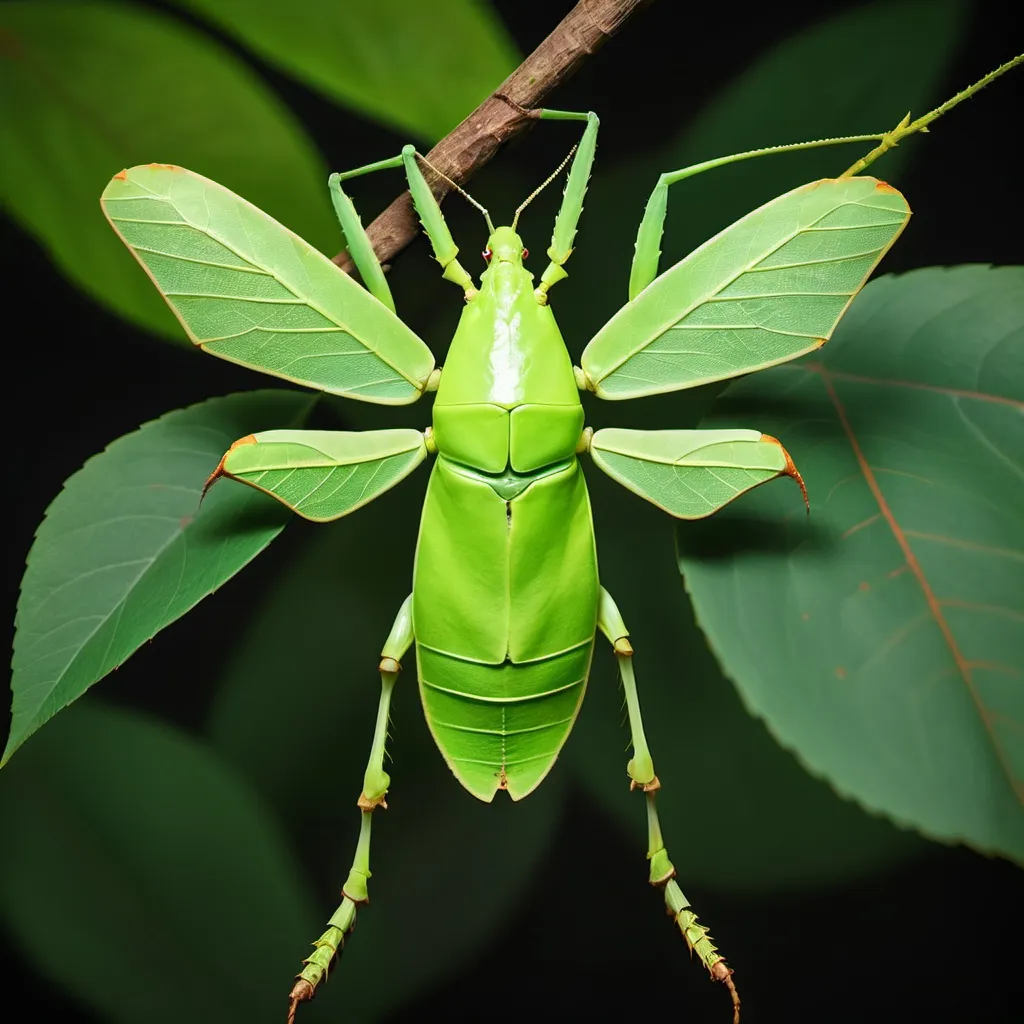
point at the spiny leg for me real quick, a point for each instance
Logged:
(572, 199)
(648, 238)
(429, 211)
(356, 240)
(375, 787)
(641, 774)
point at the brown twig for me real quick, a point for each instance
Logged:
(504, 114)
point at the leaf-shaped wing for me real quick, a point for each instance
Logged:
(323, 474)
(767, 289)
(247, 289)
(691, 473)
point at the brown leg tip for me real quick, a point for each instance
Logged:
(301, 991)
(720, 971)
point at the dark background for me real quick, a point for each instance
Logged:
(936, 940)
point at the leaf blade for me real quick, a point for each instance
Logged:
(177, 95)
(127, 832)
(390, 63)
(912, 584)
(124, 550)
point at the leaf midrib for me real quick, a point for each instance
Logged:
(962, 664)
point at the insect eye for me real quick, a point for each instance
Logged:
(525, 253)
(487, 254)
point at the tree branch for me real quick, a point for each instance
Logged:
(504, 114)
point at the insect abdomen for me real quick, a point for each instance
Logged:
(502, 726)
(504, 609)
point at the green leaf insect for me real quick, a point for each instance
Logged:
(506, 602)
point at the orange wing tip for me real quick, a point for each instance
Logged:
(121, 175)
(790, 468)
(884, 186)
(165, 167)
(220, 471)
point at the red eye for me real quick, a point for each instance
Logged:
(526, 253)
(487, 254)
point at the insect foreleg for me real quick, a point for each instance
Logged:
(641, 773)
(648, 239)
(572, 199)
(434, 225)
(375, 787)
(427, 208)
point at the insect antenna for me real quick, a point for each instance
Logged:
(540, 188)
(458, 188)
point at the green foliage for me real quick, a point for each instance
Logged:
(881, 638)
(385, 60)
(758, 822)
(89, 88)
(125, 549)
(156, 864)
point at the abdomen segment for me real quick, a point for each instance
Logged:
(505, 601)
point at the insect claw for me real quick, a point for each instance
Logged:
(301, 992)
(720, 971)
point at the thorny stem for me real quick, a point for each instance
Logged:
(504, 114)
(907, 127)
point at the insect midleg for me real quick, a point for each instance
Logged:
(572, 199)
(648, 238)
(375, 787)
(641, 773)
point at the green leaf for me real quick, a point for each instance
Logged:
(882, 639)
(145, 877)
(125, 549)
(737, 811)
(813, 85)
(250, 291)
(416, 66)
(296, 713)
(324, 474)
(89, 88)
(689, 473)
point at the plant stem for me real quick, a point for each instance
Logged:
(504, 114)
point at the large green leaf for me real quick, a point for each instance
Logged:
(737, 811)
(812, 85)
(883, 638)
(140, 873)
(125, 548)
(88, 88)
(296, 713)
(416, 65)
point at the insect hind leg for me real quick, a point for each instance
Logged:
(375, 786)
(641, 773)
